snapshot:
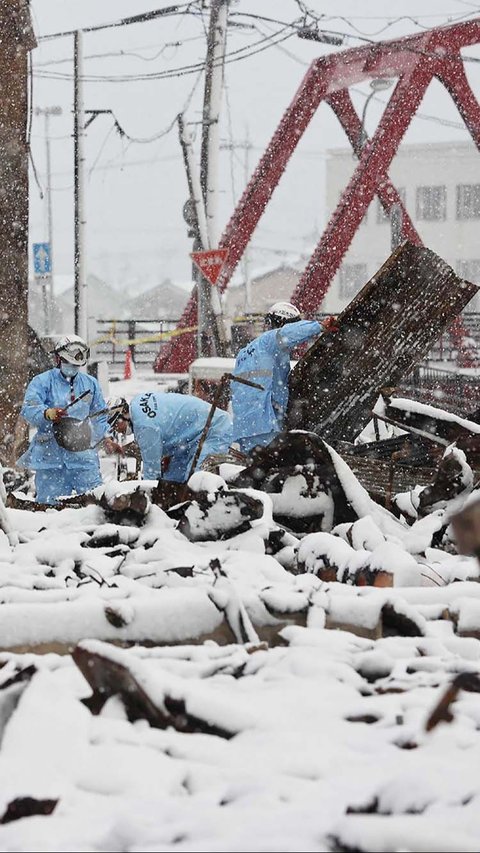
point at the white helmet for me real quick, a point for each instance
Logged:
(73, 349)
(283, 312)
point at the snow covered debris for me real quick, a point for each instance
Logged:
(207, 678)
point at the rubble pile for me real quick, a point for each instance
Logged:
(265, 657)
(293, 538)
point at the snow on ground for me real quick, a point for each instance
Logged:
(329, 751)
(298, 714)
(315, 742)
(142, 381)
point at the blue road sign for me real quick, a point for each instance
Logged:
(41, 259)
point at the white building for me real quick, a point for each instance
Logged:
(440, 187)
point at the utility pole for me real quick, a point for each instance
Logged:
(214, 67)
(194, 215)
(47, 112)
(247, 146)
(212, 101)
(80, 282)
(16, 41)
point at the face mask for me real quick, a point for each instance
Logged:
(69, 370)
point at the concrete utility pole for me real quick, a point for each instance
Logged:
(16, 41)
(212, 99)
(47, 112)
(194, 214)
(80, 281)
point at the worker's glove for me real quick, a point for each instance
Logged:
(54, 414)
(110, 446)
(329, 324)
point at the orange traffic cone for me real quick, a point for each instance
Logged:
(127, 370)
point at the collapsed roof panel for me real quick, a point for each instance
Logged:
(386, 329)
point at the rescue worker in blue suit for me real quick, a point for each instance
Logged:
(258, 416)
(165, 424)
(60, 472)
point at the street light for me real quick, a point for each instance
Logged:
(378, 84)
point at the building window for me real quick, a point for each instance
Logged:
(469, 270)
(468, 201)
(352, 278)
(385, 217)
(431, 203)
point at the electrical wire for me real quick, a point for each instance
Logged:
(166, 12)
(35, 175)
(122, 53)
(418, 115)
(29, 127)
(235, 55)
(100, 152)
(146, 140)
(132, 139)
(391, 20)
(30, 97)
(397, 47)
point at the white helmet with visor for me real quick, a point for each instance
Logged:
(73, 349)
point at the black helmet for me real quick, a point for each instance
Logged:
(117, 408)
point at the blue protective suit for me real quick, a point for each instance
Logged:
(259, 415)
(171, 425)
(60, 472)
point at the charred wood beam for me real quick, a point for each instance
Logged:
(107, 677)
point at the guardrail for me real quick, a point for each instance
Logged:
(145, 338)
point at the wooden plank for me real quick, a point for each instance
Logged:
(386, 329)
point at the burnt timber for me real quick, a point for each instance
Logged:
(389, 326)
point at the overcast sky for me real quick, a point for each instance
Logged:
(135, 191)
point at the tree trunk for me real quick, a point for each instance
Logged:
(16, 40)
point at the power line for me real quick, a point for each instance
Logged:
(234, 56)
(121, 53)
(422, 116)
(398, 47)
(167, 11)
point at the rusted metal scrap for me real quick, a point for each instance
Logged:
(386, 329)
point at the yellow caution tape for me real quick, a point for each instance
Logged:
(160, 336)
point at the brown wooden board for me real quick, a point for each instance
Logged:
(386, 329)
